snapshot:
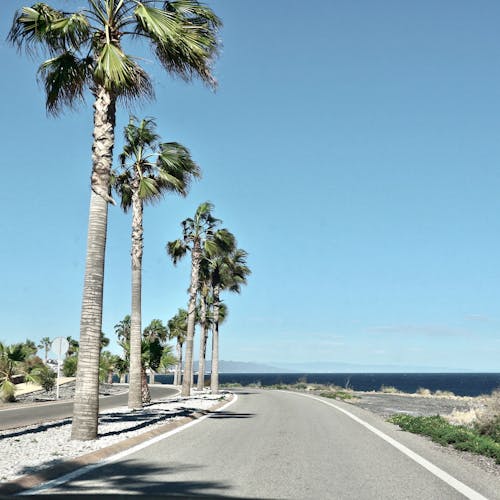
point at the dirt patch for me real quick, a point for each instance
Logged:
(386, 405)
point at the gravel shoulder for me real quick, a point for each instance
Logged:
(31, 449)
(386, 405)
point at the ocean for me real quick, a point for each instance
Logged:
(461, 384)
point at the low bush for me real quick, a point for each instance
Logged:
(444, 393)
(444, 433)
(422, 391)
(45, 377)
(229, 385)
(337, 395)
(69, 366)
(388, 389)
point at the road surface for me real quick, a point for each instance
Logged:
(44, 412)
(273, 444)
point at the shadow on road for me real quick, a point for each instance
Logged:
(132, 477)
(231, 414)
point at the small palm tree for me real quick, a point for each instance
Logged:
(13, 360)
(177, 329)
(197, 236)
(45, 344)
(156, 331)
(228, 272)
(86, 52)
(149, 169)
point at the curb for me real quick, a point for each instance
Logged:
(29, 481)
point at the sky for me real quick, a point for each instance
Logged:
(353, 149)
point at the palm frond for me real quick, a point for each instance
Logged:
(148, 189)
(184, 36)
(64, 78)
(176, 250)
(120, 74)
(121, 183)
(43, 26)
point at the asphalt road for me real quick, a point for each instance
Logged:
(37, 413)
(273, 444)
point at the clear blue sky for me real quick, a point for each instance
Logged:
(352, 147)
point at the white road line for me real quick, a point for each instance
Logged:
(87, 468)
(440, 473)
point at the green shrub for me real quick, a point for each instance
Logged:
(45, 377)
(337, 395)
(69, 366)
(490, 427)
(388, 389)
(440, 431)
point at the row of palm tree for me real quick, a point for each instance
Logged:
(85, 52)
(217, 264)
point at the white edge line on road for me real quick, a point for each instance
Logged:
(434, 469)
(113, 458)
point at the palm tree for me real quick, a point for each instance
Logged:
(229, 272)
(156, 331)
(149, 169)
(224, 243)
(203, 320)
(45, 344)
(13, 361)
(152, 349)
(177, 329)
(85, 51)
(197, 236)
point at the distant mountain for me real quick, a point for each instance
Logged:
(244, 367)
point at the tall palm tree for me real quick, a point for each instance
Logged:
(203, 320)
(224, 242)
(86, 51)
(177, 329)
(149, 169)
(229, 272)
(198, 236)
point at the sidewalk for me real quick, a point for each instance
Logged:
(27, 387)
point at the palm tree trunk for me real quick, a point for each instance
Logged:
(86, 405)
(193, 291)
(135, 388)
(176, 369)
(151, 376)
(203, 342)
(214, 377)
(179, 374)
(145, 394)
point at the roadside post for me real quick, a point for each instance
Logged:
(59, 346)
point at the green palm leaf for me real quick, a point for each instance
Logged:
(64, 77)
(118, 72)
(41, 24)
(148, 189)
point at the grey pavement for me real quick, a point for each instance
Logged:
(37, 413)
(273, 444)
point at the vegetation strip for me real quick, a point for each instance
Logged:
(460, 437)
(30, 481)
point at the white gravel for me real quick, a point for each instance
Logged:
(30, 449)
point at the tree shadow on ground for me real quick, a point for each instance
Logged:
(230, 414)
(144, 419)
(39, 428)
(134, 477)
